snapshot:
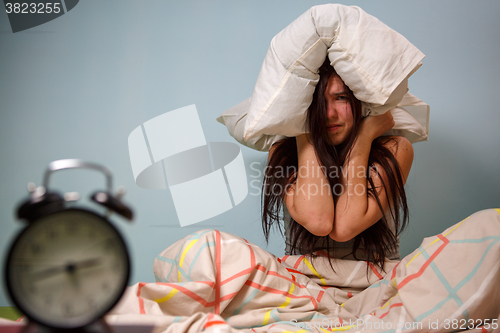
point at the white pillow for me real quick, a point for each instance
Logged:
(411, 117)
(235, 118)
(371, 58)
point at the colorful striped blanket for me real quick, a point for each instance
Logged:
(212, 281)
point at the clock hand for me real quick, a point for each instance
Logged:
(44, 274)
(69, 268)
(87, 263)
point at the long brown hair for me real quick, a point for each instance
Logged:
(378, 240)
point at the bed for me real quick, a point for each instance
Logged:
(212, 281)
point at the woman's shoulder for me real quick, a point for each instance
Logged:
(402, 150)
(398, 145)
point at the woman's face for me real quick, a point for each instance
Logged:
(339, 113)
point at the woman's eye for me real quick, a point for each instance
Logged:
(341, 98)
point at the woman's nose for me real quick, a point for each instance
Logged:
(331, 111)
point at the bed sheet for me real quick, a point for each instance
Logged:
(212, 281)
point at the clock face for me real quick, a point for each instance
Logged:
(67, 269)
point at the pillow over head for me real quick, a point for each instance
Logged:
(235, 118)
(373, 60)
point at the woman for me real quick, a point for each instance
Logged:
(342, 181)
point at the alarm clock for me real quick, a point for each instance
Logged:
(69, 266)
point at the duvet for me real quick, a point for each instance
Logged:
(212, 281)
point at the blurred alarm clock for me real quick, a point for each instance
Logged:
(69, 266)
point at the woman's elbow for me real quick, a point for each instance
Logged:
(342, 234)
(317, 225)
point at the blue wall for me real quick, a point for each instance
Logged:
(77, 86)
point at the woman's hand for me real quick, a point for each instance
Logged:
(374, 126)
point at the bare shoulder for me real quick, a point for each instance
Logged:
(399, 146)
(402, 150)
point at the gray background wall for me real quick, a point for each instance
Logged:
(77, 86)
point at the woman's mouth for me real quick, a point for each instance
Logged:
(332, 128)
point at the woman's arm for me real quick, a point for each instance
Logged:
(309, 200)
(355, 210)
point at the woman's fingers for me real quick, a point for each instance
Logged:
(375, 126)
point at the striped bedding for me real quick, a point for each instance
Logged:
(212, 281)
